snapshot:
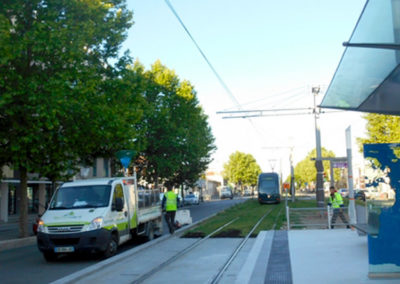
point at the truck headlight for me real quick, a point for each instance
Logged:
(41, 227)
(97, 223)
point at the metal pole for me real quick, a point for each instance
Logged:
(318, 161)
(286, 198)
(288, 217)
(352, 206)
(292, 188)
(328, 214)
(332, 174)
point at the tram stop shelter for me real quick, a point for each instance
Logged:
(367, 79)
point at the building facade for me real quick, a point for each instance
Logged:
(39, 190)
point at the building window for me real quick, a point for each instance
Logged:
(106, 167)
(95, 168)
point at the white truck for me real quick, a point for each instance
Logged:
(96, 216)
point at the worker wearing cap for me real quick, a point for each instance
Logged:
(336, 201)
(170, 201)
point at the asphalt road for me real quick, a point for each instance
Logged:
(27, 265)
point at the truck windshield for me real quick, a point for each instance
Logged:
(91, 196)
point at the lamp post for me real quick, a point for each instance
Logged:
(318, 161)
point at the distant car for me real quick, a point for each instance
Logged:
(191, 199)
(226, 192)
(344, 192)
(180, 201)
(360, 194)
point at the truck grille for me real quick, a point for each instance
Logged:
(65, 242)
(65, 229)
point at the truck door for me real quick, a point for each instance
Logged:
(120, 218)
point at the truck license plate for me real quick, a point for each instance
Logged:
(63, 249)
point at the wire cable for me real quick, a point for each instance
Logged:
(203, 54)
(229, 92)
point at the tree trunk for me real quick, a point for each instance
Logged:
(53, 188)
(23, 204)
(182, 193)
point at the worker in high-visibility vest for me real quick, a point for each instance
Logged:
(170, 201)
(336, 201)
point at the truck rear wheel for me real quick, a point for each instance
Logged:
(111, 247)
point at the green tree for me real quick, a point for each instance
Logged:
(380, 129)
(176, 136)
(241, 169)
(305, 172)
(194, 139)
(55, 102)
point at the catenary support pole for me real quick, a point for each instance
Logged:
(318, 161)
(352, 207)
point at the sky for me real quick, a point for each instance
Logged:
(269, 54)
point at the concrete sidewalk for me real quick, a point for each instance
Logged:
(330, 256)
(297, 256)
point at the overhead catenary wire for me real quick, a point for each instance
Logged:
(222, 82)
(225, 86)
(285, 95)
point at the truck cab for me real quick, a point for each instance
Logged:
(96, 215)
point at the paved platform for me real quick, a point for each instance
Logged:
(297, 256)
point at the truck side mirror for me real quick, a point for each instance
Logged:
(119, 204)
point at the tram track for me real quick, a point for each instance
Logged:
(180, 254)
(224, 267)
(217, 277)
(217, 258)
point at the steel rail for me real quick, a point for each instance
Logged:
(217, 277)
(179, 254)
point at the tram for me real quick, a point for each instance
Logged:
(268, 187)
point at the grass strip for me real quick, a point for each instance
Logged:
(249, 212)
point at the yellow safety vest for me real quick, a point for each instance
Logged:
(170, 201)
(336, 201)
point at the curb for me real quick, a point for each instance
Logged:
(17, 243)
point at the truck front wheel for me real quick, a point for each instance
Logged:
(49, 256)
(111, 247)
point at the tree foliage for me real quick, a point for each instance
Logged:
(305, 171)
(178, 140)
(380, 129)
(53, 84)
(241, 169)
(67, 97)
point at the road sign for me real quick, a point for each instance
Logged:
(125, 157)
(339, 164)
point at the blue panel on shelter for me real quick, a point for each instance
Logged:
(384, 249)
